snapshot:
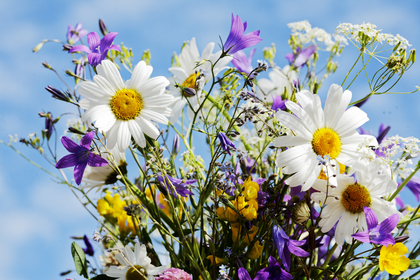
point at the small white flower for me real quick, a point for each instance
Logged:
(133, 263)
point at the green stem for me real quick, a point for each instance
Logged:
(394, 195)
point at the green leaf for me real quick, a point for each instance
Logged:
(184, 231)
(102, 277)
(79, 260)
(414, 264)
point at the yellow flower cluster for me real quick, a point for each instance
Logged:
(112, 208)
(246, 204)
(256, 251)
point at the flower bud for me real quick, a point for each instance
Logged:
(301, 212)
(175, 145)
(67, 47)
(38, 47)
(56, 93)
(102, 27)
(189, 92)
(46, 65)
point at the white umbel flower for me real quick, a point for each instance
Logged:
(139, 260)
(319, 133)
(186, 76)
(122, 110)
(344, 204)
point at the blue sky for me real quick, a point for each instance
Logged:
(38, 215)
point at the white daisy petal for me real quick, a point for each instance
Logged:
(141, 74)
(137, 133)
(148, 128)
(124, 136)
(109, 71)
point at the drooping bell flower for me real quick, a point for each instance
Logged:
(226, 143)
(236, 40)
(89, 249)
(178, 185)
(285, 245)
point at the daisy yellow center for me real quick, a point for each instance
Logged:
(326, 142)
(355, 197)
(126, 104)
(189, 82)
(133, 274)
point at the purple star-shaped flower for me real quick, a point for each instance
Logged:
(377, 234)
(242, 62)
(301, 56)
(76, 33)
(285, 246)
(98, 48)
(278, 103)
(236, 40)
(80, 156)
(272, 272)
(226, 143)
(178, 184)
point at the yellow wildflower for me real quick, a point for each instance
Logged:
(256, 251)
(392, 260)
(250, 189)
(218, 260)
(250, 236)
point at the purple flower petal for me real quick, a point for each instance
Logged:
(296, 250)
(87, 140)
(226, 143)
(399, 202)
(89, 249)
(278, 103)
(70, 145)
(362, 236)
(382, 133)
(67, 161)
(96, 161)
(107, 40)
(94, 59)
(304, 55)
(93, 41)
(385, 239)
(371, 219)
(243, 274)
(80, 48)
(242, 62)
(115, 48)
(414, 186)
(79, 169)
(236, 41)
(387, 225)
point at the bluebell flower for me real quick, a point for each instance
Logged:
(285, 245)
(377, 234)
(226, 143)
(89, 249)
(177, 184)
(242, 62)
(272, 272)
(76, 33)
(299, 58)
(236, 40)
(80, 156)
(98, 48)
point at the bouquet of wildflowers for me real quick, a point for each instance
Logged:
(236, 176)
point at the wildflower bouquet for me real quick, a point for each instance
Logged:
(236, 176)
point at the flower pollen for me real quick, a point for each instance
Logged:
(126, 104)
(325, 141)
(133, 274)
(355, 197)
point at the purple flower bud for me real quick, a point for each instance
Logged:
(56, 93)
(102, 27)
(49, 124)
(89, 249)
(225, 142)
(189, 92)
(175, 145)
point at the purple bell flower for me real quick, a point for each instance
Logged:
(377, 234)
(243, 63)
(80, 156)
(89, 249)
(49, 124)
(226, 143)
(236, 40)
(285, 246)
(178, 185)
(98, 48)
(414, 186)
(301, 56)
(272, 272)
(76, 33)
(278, 103)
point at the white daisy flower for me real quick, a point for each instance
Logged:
(137, 262)
(104, 175)
(281, 80)
(187, 73)
(318, 133)
(122, 110)
(344, 204)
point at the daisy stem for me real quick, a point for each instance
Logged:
(394, 195)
